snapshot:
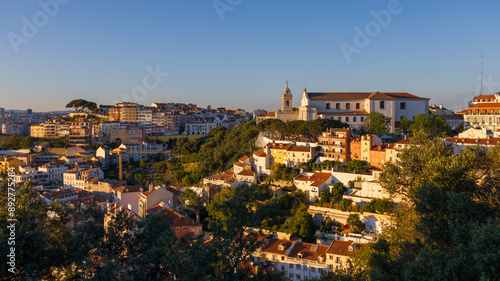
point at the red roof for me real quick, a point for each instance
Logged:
(246, 173)
(300, 148)
(260, 153)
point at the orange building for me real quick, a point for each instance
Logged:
(377, 156)
(335, 144)
(356, 149)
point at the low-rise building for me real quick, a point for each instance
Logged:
(181, 225)
(148, 199)
(299, 154)
(335, 145)
(313, 184)
(278, 152)
(262, 162)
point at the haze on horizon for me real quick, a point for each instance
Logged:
(239, 53)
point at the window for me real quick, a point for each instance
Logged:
(340, 118)
(382, 105)
(184, 228)
(362, 118)
(347, 119)
(353, 119)
(305, 268)
(298, 276)
(357, 105)
(282, 268)
(327, 105)
(402, 105)
(291, 266)
(313, 269)
(291, 275)
(347, 106)
(337, 106)
(297, 266)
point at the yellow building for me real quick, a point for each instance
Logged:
(279, 152)
(299, 154)
(37, 131)
(7, 162)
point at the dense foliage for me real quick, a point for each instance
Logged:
(449, 229)
(87, 244)
(81, 104)
(377, 123)
(15, 142)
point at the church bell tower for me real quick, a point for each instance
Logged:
(286, 98)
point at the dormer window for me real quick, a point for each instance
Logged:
(300, 255)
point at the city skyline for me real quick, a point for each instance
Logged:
(238, 54)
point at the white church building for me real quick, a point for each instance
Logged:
(349, 107)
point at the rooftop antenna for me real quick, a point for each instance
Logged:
(482, 59)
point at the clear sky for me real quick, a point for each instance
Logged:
(239, 53)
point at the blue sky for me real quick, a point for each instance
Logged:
(241, 57)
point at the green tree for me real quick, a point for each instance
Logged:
(355, 223)
(377, 123)
(324, 196)
(430, 125)
(192, 202)
(338, 190)
(301, 224)
(404, 125)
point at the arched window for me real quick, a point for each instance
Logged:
(287, 103)
(338, 106)
(357, 105)
(347, 106)
(327, 105)
(382, 104)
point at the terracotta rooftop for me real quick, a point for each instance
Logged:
(240, 164)
(260, 153)
(339, 247)
(300, 149)
(284, 146)
(316, 179)
(360, 95)
(485, 97)
(246, 173)
(125, 189)
(244, 158)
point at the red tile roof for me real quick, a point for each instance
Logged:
(341, 247)
(240, 164)
(284, 146)
(300, 148)
(244, 158)
(485, 97)
(246, 173)
(260, 153)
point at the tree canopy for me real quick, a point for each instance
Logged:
(81, 104)
(448, 229)
(377, 123)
